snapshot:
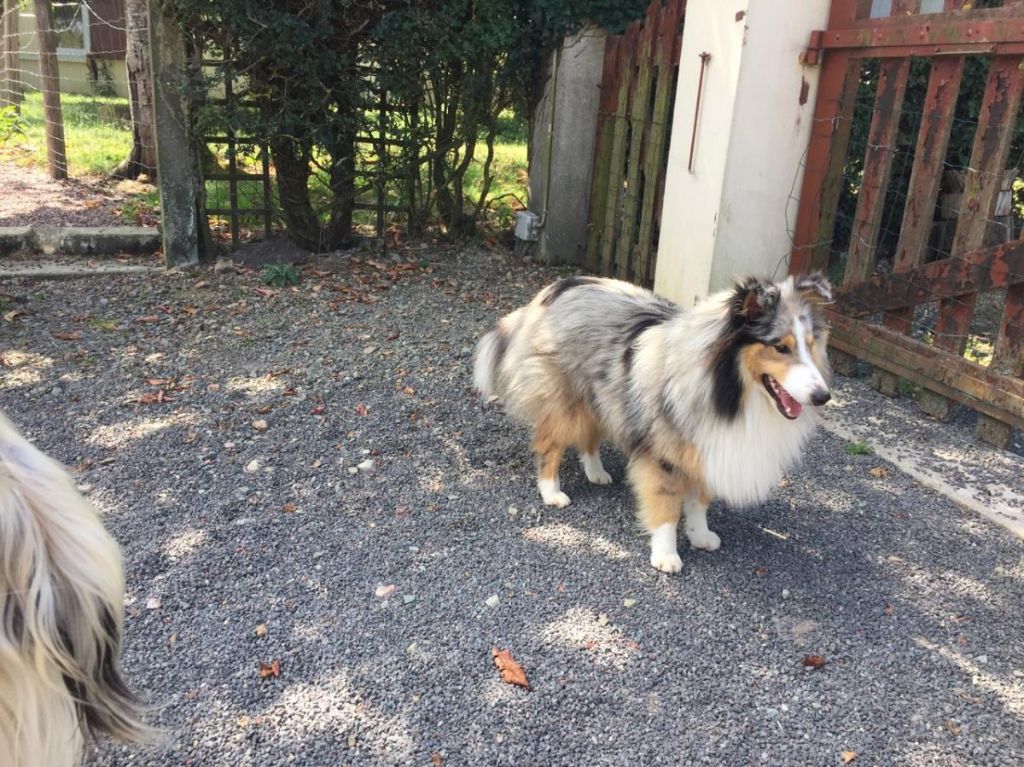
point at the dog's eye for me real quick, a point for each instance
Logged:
(783, 349)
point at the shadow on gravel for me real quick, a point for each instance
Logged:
(247, 542)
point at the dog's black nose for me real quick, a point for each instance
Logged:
(820, 396)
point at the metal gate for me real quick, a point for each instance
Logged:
(914, 218)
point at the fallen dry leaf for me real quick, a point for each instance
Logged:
(888, 609)
(276, 373)
(149, 318)
(154, 398)
(266, 292)
(261, 630)
(159, 381)
(848, 756)
(15, 314)
(813, 661)
(409, 390)
(63, 336)
(511, 672)
(361, 409)
(952, 727)
(435, 759)
(760, 571)
(289, 392)
(290, 508)
(879, 472)
(318, 410)
(273, 669)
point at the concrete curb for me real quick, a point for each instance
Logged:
(79, 240)
(49, 270)
(978, 477)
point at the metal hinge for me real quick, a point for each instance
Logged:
(812, 56)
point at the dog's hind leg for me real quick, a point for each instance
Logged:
(696, 510)
(590, 454)
(659, 496)
(549, 443)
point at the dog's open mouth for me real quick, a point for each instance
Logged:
(784, 401)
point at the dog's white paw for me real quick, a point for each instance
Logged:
(667, 562)
(704, 539)
(559, 499)
(599, 477)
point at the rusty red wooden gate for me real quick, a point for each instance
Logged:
(909, 294)
(638, 86)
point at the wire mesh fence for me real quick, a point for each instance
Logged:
(76, 103)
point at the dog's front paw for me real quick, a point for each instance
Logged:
(704, 539)
(599, 477)
(557, 499)
(666, 561)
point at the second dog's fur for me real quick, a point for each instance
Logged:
(714, 402)
(61, 616)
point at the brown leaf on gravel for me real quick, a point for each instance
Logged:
(888, 609)
(760, 571)
(408, 390)
(264, 409)
(266, 292)
(202, 284)
(65, 336)
(318, 410)
(510, 670)
(272, 669)
(159, 381)
(435, 759)
(290, 508)
(15, 314)
(289, 392)
(149, 318)
(879, 472)
(276, 373)
(813, 661)
(952, 727)
(361, 409)
(154, 398)
(848, 756)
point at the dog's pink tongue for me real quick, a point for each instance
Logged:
(793, 407)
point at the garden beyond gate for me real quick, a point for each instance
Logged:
(912, 196)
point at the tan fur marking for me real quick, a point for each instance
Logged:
(557, 430)
(757, 360)
(659, 495)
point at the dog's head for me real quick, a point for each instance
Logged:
(775, 343)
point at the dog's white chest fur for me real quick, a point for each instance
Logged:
(745, 458)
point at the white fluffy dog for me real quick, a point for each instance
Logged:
(61, 616)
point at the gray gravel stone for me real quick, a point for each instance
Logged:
(897, 588)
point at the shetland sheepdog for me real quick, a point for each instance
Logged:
(714, 402)
(61, 615)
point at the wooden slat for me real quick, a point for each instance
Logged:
(826, 156)
(980, 270)
(932, 143)
(654, 153)
(617, 155)
(1008, 357)
(996, 124)
(639, 127)
(997, 396)
(885, 122)
(599, 190)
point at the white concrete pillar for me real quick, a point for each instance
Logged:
(733, 213)
(562, 147)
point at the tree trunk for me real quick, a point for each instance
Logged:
(142, 158)
(56, 159)
(343, 187)
(291, 162)
(10, 80)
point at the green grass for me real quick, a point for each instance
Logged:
(96, 138)
(858, 448)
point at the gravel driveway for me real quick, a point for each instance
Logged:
(302, 449)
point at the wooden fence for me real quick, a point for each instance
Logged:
(909, 298)
(634, 123)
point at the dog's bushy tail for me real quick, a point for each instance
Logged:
(61, 615)
(489, 352)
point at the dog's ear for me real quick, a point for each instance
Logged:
(813, 287)
(752, 299)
